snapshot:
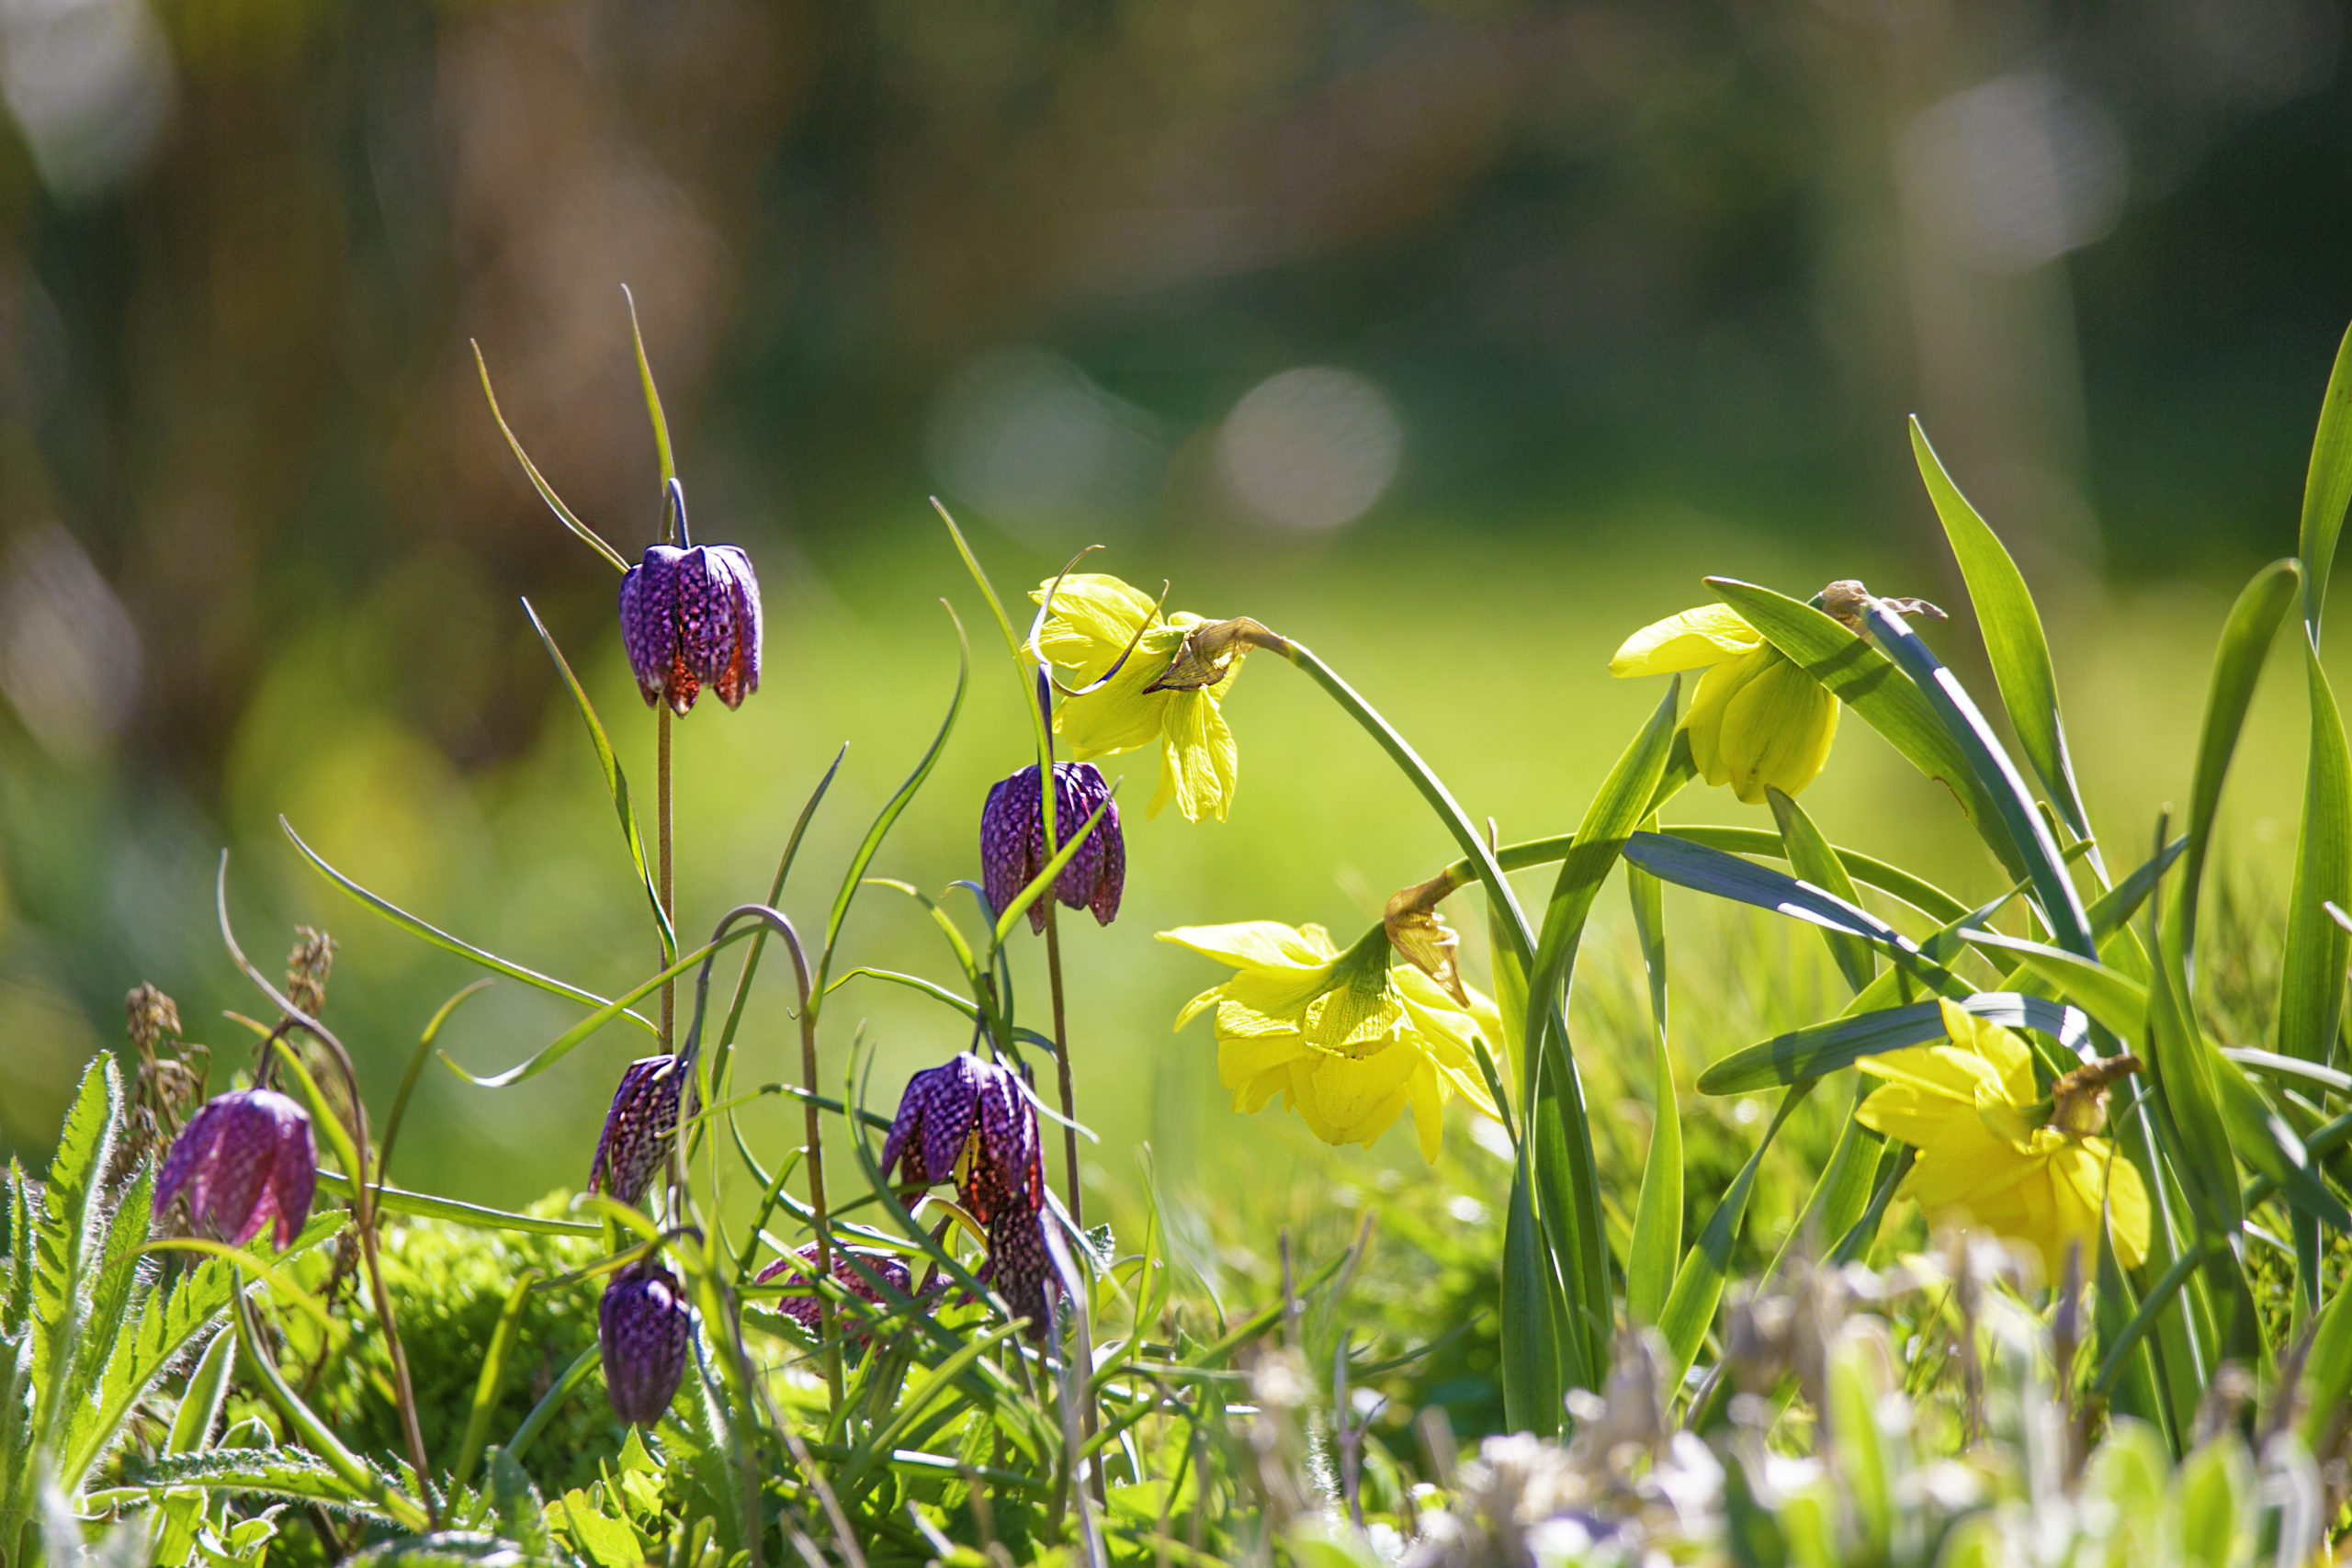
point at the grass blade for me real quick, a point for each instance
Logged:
(1657, 1213)
(1866, 681)
(2061, 907)
(2238, 659)
(586, 535)
(1698, 1283)
(555, 1050)
(493, 1367)
(1823, 1048)
(653, 397)
(2015, 644)
(438, 938)
(1555, 1120)
(616, 783)
(2327, 486)
(1809, 855)
(1695, 866)
(2310, 972)
(871, 845)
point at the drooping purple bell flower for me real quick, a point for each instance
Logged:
(247, 1161)
(1012, 843)
(802, 1265)
(642, 1326)
(972, 1123)
(690, 618)
(638, 1128)
(1019, 1268)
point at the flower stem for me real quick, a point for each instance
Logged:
(1432, 788)
(669, 891)
(1061, 1065)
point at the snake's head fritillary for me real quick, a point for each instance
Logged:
(690, 618)
(247, 1162)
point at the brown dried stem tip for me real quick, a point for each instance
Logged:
(1420, 935)
(2078, 1101)
(306, 970)
(1844, 601)
(1209, 650)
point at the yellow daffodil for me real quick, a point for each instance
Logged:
(1349, 1041)
(1757, 720)
(1165, 694)
(1993, 1153)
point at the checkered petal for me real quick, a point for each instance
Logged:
(1019, 1268)
(245, 1161)
(802, 1265)
(738, 674)
(638, 1128)
(1013, 841)
(648, 622)
(642, 1332)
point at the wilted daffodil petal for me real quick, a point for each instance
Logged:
(1757, 721)
(1096, 622)
(1992, 1154)
(1348, 1040)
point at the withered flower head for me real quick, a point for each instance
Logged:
(307, 967)
(1012, 843)
(690, 618)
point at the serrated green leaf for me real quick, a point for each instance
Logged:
(69, 1232)
(269, 1472)
(2015, 644)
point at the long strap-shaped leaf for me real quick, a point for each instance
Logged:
(1558, 1142)
(2014, 642)
(1864, 680)
(1657, 1214)
(2061, 907)
(1823, 1048)
(1704, 870)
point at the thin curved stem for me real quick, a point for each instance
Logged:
(781, 923)
(363, 1192)
(1432, 788)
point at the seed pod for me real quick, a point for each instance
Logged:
(970, 1121)
(690, 618)
(245, 1161)
(638, 1128)
(1012, 843)
(642, 1326)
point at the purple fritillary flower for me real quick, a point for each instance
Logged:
(1012, 843)
(642, 1326)
(802, 1265)
(247, 1161)
(637, 1129)
(690, 618)
(1019, 1268)
(969, 1122)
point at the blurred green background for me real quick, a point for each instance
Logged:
(1456, 338)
